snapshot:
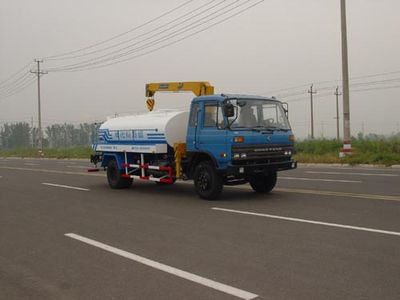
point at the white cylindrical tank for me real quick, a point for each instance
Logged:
(160, 125)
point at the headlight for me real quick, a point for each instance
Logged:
(243, 155)
(288, 152)
(236, 155)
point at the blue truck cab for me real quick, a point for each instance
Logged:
(243, 138)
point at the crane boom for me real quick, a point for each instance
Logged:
(199, 88)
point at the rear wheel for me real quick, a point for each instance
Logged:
(208, 183)
(114, 176)
(263, 183)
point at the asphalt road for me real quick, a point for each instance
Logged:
(323, 233)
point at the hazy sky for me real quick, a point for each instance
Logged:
(278, 44)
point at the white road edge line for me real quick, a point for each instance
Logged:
(165, 268)
(308, 221)
(352, 173)
(65, 186)
(319, 179)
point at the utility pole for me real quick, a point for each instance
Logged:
(337, 94)
(322, 129)
(39, 73)
(32, 133)
(345, 77)
(311, 92)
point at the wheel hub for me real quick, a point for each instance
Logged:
(204, 181)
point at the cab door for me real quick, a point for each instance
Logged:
(211, 134)
(193, 128)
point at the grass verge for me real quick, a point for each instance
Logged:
(377, 152)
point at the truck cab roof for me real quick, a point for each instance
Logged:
(222, 97)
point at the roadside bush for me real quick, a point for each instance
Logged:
(365, 151)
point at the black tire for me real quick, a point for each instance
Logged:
(208, 183)
(114, 176)
(263, 183)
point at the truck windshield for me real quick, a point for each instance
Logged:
(258, 114)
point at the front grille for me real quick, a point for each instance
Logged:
(261, 154)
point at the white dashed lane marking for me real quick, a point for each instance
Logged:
(31, 164)
(65, 186)
(168, 269)
(307, 221)
(78, 167)
(319, 179)
(353, 173)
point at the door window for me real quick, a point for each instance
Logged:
(210, 115)
(213, 116)
(193, 115)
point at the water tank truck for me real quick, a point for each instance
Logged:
(224, 139)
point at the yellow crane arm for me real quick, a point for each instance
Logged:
(199, 88)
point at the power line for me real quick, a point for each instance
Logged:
(169, 36)
(143, 34)
(376, 82)
(14, 83)
(329, 81)
(19, 84)
(121, 34)
(20, 89)
(352, 90)
(88, 67)
(104, 56)
(378, 88)
(15, 74)
(367, 83)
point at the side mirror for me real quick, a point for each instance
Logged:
(229, 110)
(285, 106)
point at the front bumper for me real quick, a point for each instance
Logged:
(240, 170)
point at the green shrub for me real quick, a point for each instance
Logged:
(365, 151)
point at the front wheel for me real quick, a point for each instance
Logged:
(263, 183)
(114, 176)
(207, 181)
